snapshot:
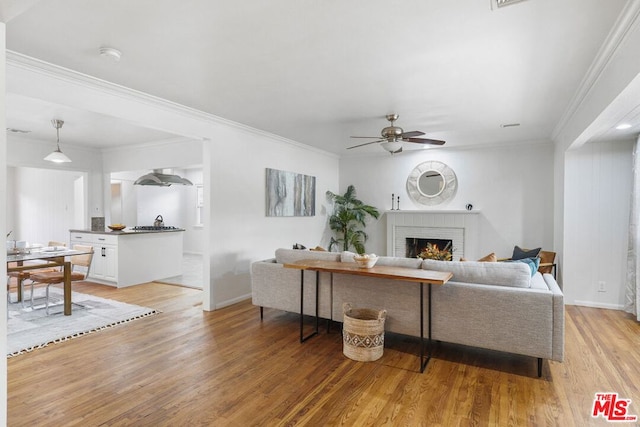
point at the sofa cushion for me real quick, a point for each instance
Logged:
(286, 256)
(533, 263)
(390, 261)
(515, 274)
(538, 282)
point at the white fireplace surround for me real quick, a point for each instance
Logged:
(461, 227)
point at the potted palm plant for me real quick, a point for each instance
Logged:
(349, 219)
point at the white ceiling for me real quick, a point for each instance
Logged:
(80, 128)
(319, 71)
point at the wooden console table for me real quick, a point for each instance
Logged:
(414, 275)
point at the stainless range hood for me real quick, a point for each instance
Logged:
(158, 178)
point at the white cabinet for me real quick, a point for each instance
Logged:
(130, 258)
(105, 262)
(104, 265)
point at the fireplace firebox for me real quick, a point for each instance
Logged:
(415, 245)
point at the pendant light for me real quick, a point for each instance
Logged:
(57, 156)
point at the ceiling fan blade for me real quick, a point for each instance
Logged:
(412, 134)
(366, 143)
(368, 137)
(424, 141)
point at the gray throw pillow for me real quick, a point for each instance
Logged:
(519, 253)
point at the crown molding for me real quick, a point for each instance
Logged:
(55, 72)
(627, 20)
(151, 144)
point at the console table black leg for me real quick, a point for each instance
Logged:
(315, 332)
(317, 302)
(261, 312)
(424, 361)
(539, 367)
(429, 358)
(301, 305)
(422, 364)
(330, 303)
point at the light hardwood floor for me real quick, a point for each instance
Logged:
(186, 367)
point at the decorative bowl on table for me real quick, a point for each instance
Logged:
(117, 227)
(365, 260)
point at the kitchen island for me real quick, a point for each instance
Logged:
(131, 257)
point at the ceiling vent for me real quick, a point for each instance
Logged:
(14, 130)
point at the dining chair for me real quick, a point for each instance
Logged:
(21, 276)
(80, 266)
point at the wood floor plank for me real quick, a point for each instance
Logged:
(189, 367)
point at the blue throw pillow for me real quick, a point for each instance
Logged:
(519, 253)
(533, 263)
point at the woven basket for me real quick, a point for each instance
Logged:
(363, 333)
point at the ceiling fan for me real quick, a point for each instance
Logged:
(393, 137)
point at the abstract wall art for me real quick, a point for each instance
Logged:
(290, 194)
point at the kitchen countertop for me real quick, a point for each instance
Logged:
(126, 258)
(126, 231)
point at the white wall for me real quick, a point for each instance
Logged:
(166, 154)
(164, 201)
(176, 204)
(511, 186)
(240, 230)
(598, 180)
(128, 202)
(41, 200)
(3, 230)
(607, 94)
(43, 204)
(194, 236)
(237, 231)
(24, 152)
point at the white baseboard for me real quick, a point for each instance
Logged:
(232, 301)
(598, 305)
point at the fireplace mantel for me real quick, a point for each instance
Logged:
(461, 225)
(431, 211)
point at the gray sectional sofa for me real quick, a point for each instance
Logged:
(493, 305)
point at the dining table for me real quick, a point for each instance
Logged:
(46, 257)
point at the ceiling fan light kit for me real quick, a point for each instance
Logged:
(393, 136)
(392, 146)
(57, 156)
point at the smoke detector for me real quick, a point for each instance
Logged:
(111, 53)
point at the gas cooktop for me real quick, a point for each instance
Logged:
(154, 227)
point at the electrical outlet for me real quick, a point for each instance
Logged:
(602, 286)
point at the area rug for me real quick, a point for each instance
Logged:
(29, 329)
